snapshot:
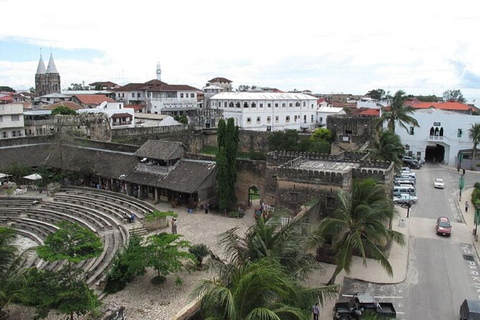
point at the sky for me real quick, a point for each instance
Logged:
(422, 47)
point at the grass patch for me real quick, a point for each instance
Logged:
(209, 150)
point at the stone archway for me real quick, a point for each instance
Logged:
(254, 196)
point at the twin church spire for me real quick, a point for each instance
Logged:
(47, 80)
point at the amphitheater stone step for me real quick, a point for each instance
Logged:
(141, 231)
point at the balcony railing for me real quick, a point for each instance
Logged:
(435, 138)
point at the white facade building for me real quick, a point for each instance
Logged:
(118, 116)
(171, 99)
(440, 136)
(326, 109)
(264, 111)
(11, 121)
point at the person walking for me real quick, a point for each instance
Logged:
(174, 226)
(466, 206)
(315, 311)
(207, 206)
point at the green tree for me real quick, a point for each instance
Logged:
(200, 251)
(377, 94)
(398, 112)
(431, 98)
(12, 273)
(73, 243)
(47, 289)
(454, 95)
(182, 119)
(221, 133)
(388, 147)
(474, 135)
(7, 89)
(18, 171)
(287, 140)
(223, 189)
(128, 264)
(166, 253)
(360, 226)
(320, 141)
(286, 242)
(76, 86)
(63, 110)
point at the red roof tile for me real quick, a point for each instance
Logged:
(450, 105)
(69, 104)
(135, 107)
(93, 98)
(370, 112)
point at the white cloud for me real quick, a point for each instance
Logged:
(341, 46)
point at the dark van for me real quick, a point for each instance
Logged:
(470, 310)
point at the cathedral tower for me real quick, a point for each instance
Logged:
(47, 80)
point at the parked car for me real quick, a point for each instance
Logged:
(438, 183)
(412, 164)
(443, 226)
(404, 199)
(404, 180)
(359, 304)
(470, 310)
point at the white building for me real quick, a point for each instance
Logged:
(119, 117)
(326, 109)
(440, 136)
(171, 99)
(263, 111)
(11, 121)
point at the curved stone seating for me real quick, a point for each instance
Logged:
(39, 227)
(119, 213)
(88, 213)
(56, 217)
(95, 272)
(17, 202)
(142, 208)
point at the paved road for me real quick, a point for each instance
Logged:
(441, 271)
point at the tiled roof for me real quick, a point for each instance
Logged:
(219, 79)
(450, 105)
(130, 87)
(186, 177)
(69, 104)
(93, 98)
(172, 87)
(135, 107)
(160, 150)
(103, 83)
(370, 112)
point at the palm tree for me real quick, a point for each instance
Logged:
(360, 225)
(388, 147)
(260, 289)
(474, 134)
(287, 242)
(12, 273)
(398, 112)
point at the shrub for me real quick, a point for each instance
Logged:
(200, 251)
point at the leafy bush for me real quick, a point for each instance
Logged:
(159, 214)
(200, 251)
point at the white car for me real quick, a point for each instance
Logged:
(404, 198)
(438, 183)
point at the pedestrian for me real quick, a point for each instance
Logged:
(132, 217)
(463, 170)
(316, 311)
(207, 206)
(466, 206)
(174, 225)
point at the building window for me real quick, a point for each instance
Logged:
(5, 135)
(269, 105)
(304, 119)
(245, 104)
(304, 103)
(459, 133)
(284, 104)
(261, 105)
(133, 94)
(258, 120)
(412, 131)
(14, 133)
(290, 104)
(311, 118)
(192, 95)
(294, 196)
(231, 105)
(15, 117)
(238, 105)
(297, 104)
(1, 118)
(269, 119)
(276, 119)
(276, 105)
(254, 105)
(249, 120)
(287, 119)
(181, 95)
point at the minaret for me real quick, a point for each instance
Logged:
(159, 72)
(40, 78)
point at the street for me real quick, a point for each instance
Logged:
(442, 271)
